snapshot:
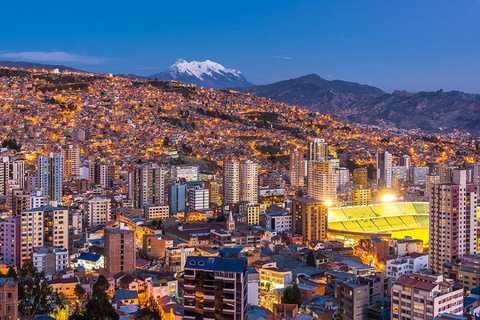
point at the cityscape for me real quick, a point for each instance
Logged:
(193, 193)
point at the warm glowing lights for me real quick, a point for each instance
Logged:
(388, 197)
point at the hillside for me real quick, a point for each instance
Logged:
(432, 111)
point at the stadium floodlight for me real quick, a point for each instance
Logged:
(328, 203)
(388, 197)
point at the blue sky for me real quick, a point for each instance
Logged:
(393, 44)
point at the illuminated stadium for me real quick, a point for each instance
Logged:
(386, 220)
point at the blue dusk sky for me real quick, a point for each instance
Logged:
(393, 44)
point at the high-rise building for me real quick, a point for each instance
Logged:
(97, 211)
(231, 182)
(175, 257)
(425, 295)
(50, 176)
(384, 169)
(318, 150)
(11, 170)
(310, 218)
(444, 172)
(71, 161)
(11, 239)
(149, 185)
(248, 181)
(404, 161)
(430, 180)
(360, 177)
(43, 227)
(178, 197)
(120, 251)
(417, 175)
(215, 288)
(322, 181)
(343, 176)
(476, 174)
(297, 168)
(198, 199)
(102, 174)
(214, 191)
(453, 220)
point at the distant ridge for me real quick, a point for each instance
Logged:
(431, 111)
(32, 65)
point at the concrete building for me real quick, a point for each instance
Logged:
(175, 257)
(188, 173)
(360, 177)
(253, 279)
(155, 245)
(152, 211)
(297, 168)
(97, 211)
(50, 176)
(50, 260)
(11, 239)
(453, 220)
(418, 175)
(8, 299)
(281, 221)
(251, 211)
(322, 180)
(231, 182)
(359, 293)
(120, 251)
(248, 181)
(413, 263)
(343, 176)
(384, 170)
(310, 219)
(317, 150)
(215, 288)
(71, 161)
(178, 197)
(466, 271)
(424, 296)
(149, 185)
(44, 227)
(361, 197)
(198, 199)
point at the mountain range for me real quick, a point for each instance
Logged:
(431, 111)
(207, 74)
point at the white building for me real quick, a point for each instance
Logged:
(279, 221)
(343, 176)
(231, 182)
(249, 181)
(50, 259)
(405, 265)
(160, 288)
(424, 296)
(253, 279)
(199, 199)
(189, 173)
(97, 211)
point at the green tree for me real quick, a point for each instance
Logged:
(34, 293)
(311, 259)
(292, 295)
(99, 307)
(79, 291)
(12, 274)
(151, 310)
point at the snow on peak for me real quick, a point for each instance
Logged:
(200, 69)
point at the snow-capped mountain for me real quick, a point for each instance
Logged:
(207, 74)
